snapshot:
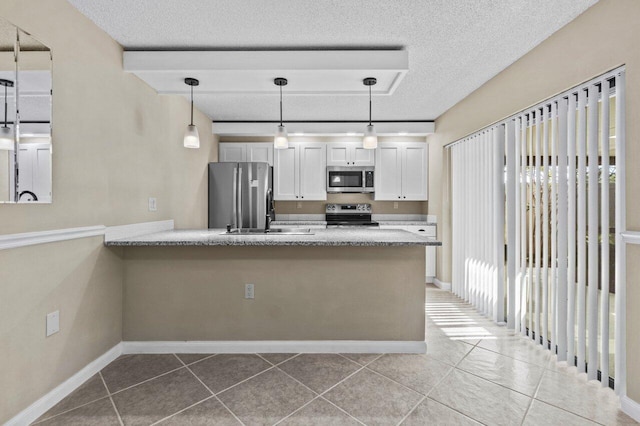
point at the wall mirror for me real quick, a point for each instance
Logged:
(25, 118)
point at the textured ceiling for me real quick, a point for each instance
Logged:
(454, 45)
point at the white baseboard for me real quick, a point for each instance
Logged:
(428, 279)
(442, 285)
(630, 407)
(136, 229)
(42, 405)
(275, 346)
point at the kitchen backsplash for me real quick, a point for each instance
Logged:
(378, 207)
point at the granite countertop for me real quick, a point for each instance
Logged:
(320, 237)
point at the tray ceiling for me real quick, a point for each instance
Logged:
(453, 46)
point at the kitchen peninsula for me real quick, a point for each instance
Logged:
(332, 290)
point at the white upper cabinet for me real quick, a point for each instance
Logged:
(285, 173)
(300, 172)
(349, 154)
(240, 152)
(401, 171)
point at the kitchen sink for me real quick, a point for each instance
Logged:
(274, 231)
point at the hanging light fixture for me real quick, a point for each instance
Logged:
(281, 141)
(370, 140)
(6, 134)
(191, 136)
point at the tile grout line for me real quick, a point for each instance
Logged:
(247, 379)
(393, 380)
(213, 395)
(111, 399)
(495, 383)
(184, 409)
(363, 365)
(71, 409)
(296, 410)
(320, 395)
(144, 381)
(278, 363)
(532, 398)
(453, 368)
(544, 370)
(412, 410)
(194, 362)
(456, 367)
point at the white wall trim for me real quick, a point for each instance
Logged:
(42, 405)
(630, 407)
(275, 346)
(442, 285)
(137, 229)
(10, 241)
(631, 237)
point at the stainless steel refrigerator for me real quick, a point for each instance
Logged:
(240, 195)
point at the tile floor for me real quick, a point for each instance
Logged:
(474, 371)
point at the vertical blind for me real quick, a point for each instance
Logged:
(537, 215)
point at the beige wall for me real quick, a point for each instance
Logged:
(602, 38)
(116, 144)
(301, 293)
(318, 207)
(81, 279)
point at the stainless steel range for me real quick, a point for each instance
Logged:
(349, 215)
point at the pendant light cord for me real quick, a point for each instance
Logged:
(280, 105)
(191, 105)
(369, 105)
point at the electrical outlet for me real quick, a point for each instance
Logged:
(395, 204)
(299, 205)
(153, 204)
(53, 323)
(248, 291)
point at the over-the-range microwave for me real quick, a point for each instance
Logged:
(349, 179)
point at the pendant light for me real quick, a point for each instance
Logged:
(191, 136)
(280, 140)
(6, 134)
(370, 140)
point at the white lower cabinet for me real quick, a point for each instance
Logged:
(299, 172)
(430, 251)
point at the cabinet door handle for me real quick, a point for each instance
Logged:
(404, 197)
(302, 196)
(399, 196)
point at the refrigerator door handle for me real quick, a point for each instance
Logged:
(235, 197)
(239, 198)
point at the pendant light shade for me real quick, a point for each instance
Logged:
(191, 136)
(281, 140)
(7, 142)
(370, 139)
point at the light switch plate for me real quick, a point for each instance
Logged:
(53, 323)
(153, 204)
